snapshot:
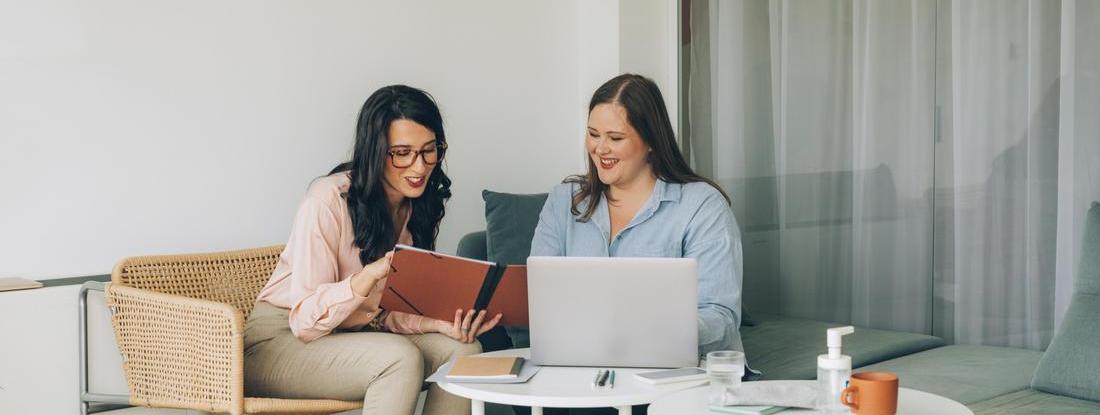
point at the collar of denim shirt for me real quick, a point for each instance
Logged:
(662, 192)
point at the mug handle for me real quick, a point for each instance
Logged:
(850, 398)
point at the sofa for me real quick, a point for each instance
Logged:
(1065, 379)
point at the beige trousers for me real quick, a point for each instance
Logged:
(385, 370)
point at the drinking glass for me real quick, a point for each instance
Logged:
(724, 370)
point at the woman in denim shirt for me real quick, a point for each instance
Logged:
(640, 198)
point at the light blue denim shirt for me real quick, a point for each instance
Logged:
(689, 220)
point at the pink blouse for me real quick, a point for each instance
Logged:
(313, 277)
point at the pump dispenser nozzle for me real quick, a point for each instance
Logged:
(833, 339)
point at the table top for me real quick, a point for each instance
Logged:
(566, 387)
(910, 401)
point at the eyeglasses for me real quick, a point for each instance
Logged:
(404, 156)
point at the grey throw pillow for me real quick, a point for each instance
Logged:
(1071, 364)
(510, 221)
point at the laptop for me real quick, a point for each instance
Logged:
(613, 312)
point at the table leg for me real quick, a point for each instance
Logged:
(477, 407)
(536, 410)
(624, 410)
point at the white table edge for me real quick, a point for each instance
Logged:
(957, 406)
(558, 402)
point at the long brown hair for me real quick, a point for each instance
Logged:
(645, 110)
(366, 199)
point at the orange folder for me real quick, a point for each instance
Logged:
(435, 285)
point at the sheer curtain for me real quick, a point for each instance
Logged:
(907, 165)
(998, 199)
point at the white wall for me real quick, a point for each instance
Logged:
(133, 127)
(649, 45)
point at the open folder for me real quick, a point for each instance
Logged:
(435, 285)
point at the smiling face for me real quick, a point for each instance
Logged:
(615, 148)
(408, 139)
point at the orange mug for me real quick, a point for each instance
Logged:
(871, 393)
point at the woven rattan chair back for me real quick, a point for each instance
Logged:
(179, 324)
(232, 277)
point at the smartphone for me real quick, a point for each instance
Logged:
(660, 377)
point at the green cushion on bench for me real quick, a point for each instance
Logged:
(1031, 401)
(787, 348)
(965, 373)
(1071, 364)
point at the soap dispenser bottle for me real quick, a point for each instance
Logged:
(833, 372)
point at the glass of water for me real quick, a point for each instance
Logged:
(724, 370)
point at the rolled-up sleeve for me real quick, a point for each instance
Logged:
(714, 240)
(403, 323)
(313, 244)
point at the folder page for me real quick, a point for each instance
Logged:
(510, 297)
(432, 284)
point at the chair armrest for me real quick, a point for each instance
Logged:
(473, 246)
(178, 351)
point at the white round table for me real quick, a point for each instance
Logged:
(564, 387)
(910, 401)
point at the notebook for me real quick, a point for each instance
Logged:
(525, 374)
(434, 285)
(483, 368)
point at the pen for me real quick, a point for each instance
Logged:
(596, 381)
(603, 378)
(611, 382)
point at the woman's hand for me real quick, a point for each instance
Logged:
(363, 282)
(466, 328)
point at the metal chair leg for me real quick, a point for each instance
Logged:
(87, 397)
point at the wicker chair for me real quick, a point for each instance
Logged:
(179, 323)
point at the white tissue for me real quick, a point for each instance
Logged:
(789, 393)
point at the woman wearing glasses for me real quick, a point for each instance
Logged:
(640, 198)
(317, 330)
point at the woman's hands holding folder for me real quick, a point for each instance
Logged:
(363, 282)
(466, 328)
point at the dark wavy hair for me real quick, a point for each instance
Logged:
(366, 198)
(645, 110)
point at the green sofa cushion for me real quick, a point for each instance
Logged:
(965, 373)
(1071, 365)
(787, 348)
(1030, 401)
(510, 221)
